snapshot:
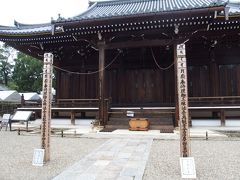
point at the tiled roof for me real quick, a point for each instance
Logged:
(234, 8)
(26, 29)
(117, 8)
(113, 9)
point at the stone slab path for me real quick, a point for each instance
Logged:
(116, 159)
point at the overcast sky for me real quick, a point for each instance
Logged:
(38, 11)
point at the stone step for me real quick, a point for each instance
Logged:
(142, 115)
(163, 128)
(150, 119)
(120, 126)
(151, 123)
(156, 121)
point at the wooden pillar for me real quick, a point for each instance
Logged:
(58, 87)
(46, 104)
(101, 115)
(176, 122)
(182, 88)
(214, 79)
(213, 75)
(58, 81)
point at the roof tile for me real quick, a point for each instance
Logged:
(112, 9)
(129, 7)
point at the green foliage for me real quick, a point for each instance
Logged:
(5, 65)
(12, 85)
(27, 74)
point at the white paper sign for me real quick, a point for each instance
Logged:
(130, 114)
(38, 156)
(188, 167)
(5, 118)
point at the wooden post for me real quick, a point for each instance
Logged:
(46, 104)
(176, 122)
(190, 119)
(222, 114)
(22, 100)
(72, 118)
(101, 82)
(182, 87)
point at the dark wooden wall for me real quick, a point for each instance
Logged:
(135, 79)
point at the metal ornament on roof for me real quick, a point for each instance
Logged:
(183, 100)
(46, 104)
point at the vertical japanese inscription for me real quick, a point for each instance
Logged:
(183, 100)
(46, 104)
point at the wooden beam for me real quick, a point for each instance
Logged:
(101, 46)
(136, 44)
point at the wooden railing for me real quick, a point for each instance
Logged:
(215, 100)
(67, 103)
(78, 102)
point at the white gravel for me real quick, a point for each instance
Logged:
(215, 160)
(16, 153)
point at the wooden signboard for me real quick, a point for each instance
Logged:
(5, 121)
(22, 116)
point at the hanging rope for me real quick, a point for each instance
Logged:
(162, 68)
(89, 73)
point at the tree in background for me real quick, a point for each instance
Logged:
(5, 65)
(27, 74)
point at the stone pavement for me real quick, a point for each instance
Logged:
(117, 159)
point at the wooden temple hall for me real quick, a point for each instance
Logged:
(121, 57)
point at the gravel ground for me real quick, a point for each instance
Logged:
(16, 153)
(215, 160)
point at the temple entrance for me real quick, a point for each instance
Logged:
(139, 79)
